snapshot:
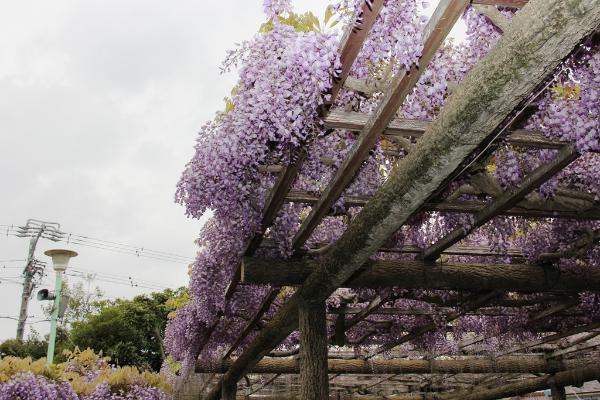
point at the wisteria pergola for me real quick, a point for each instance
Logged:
(489, 102)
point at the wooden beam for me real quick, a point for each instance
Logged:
(273, 204)
(492, 13)
(263, 385)
(539, 38)
(504, 202)
(577, 345)
(502, 3)
(552, 338)
(352, 42)
(570, 377)
(440, 24)
(523, 209)
(229, 391)
(405, 366)
(256, 318)
(421, 275)
(485, 311)
(558, 392)
(314, 382)
(471, 305)
(400, 127)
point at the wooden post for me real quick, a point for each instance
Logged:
(228, 392)
(314, 383)
(558, 392)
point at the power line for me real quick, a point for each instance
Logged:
(125, 282)
(84, 240)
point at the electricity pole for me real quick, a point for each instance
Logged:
(28, 274)
(34, 229)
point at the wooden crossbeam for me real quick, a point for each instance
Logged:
(502, 3)
(487, 311)
(570, 377)
(494, 15)
(403, 366)
(523, 209)
(262, 309)
(561, 306)
(440, 24)
(273, 204)
(421, 275)
(469, 306)
(504, 202)
(538, 39)
(552, 338)
(352, 42)
(400, 127)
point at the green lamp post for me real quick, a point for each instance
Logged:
(60, 260)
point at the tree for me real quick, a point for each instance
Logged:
(33, 347)
(82, 302)
(128, 331)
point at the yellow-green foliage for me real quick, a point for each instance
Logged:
(566, 92)
(77, 370)
(10, 366)
(307, 22)
(175, 303)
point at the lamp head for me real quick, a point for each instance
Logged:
(60, 258)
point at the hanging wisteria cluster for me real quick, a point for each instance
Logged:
(284, 77)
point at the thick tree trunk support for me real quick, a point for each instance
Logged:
(540, 36)
(314, 382)
(418, 275)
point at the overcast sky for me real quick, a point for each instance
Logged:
(100, 102)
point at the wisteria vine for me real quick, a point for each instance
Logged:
(284, 77)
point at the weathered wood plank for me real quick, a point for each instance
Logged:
(504, 202)
(550, 209)
(570, 377)
(351, 44)
(355, 121)
(539, 38)
(440, 24)
(552, 338)
(468, 306)
(256, 318)
(502, 3)
(495, 16)
(417, 274)
(273, 204)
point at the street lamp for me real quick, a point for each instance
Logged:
(60, 260)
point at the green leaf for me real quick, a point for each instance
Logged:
(328, 14)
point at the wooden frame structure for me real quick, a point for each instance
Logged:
(470, 124)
